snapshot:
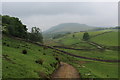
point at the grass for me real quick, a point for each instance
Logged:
(108, 39)
(18, 65)
(103, 70)
(97, 69)
(108, 54)
(94, 69)
(90, 68)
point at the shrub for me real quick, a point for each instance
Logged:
(7, 67)
(39, 61)
(53, 65)
(86, 36)
(24, 51)
(7, 45)
(4, 43)
(44, 54)
(17, 47)
(57, 58)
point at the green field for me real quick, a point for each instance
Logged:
(108, 39)
(93, 69)
(109, 54)
(19, 65)
(90, 69)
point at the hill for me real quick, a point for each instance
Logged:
(69, 27)
(65, 28)
(25, 56)
(26, 60)
(71, 44)
(108, 39)
(39, 62)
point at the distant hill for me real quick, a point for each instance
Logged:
(68, 27)
(65, 28)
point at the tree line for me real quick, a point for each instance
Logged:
(12, 26)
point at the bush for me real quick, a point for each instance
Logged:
(57, 58)
(53, 65)
(7, 45)
(86, 36)
(44, 54)
(17, 47)
(24, 51)
(4, 43)
(39, 61)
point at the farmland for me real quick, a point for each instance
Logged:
(59, 40)
(16, 64)
(107, 38)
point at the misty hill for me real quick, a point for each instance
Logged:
(65, 28)
(68, 27)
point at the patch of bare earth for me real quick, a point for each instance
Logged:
(66, 71)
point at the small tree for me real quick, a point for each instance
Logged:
(73, 35)
(86, 36)
(36, 35)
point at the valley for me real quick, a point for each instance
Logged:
(89, 60)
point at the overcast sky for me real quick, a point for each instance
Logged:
(47, 14)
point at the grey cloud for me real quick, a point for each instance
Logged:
(46, 15)
(30, 8)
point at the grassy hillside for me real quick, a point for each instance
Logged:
(89, 68)
(36, 63)
(108, 39)
(108, 54)
(40, 62)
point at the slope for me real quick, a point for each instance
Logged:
(26, 60)
(108, 39)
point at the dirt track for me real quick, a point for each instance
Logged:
(66, 71)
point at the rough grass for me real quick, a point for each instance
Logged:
(108, 39)
(94, 69)
(107, 54)
(103, 70)
(90, 68)
(18, 65)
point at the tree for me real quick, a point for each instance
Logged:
(73, 35)
(36, 35)
(86, 36)
(13, 26)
